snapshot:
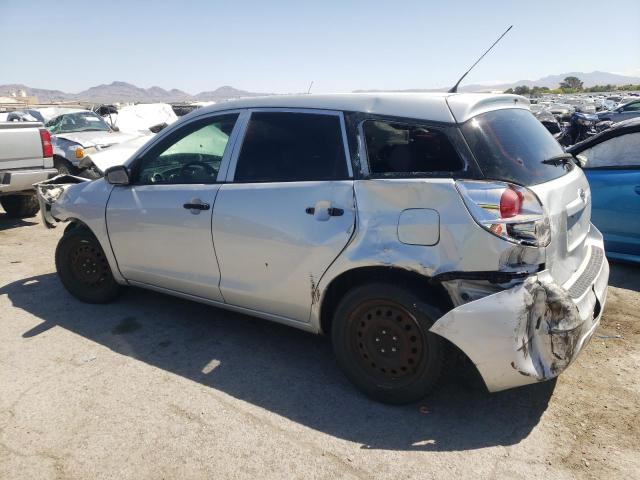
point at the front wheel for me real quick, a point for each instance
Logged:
(83, 267)
(64, 167)
(382, 342)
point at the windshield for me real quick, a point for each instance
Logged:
(77, 122)
(512, 145)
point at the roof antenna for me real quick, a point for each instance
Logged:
(454, 89)
(309, 89)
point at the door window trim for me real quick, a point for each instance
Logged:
(205, 117)
(239, 141)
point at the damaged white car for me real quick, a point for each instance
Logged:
(408, 227)
(77, 134)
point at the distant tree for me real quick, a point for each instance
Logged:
(508, 90)
(571, 83)
(522, 90)
(535, 90)
(601, 88)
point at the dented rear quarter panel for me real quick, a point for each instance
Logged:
(462, 245)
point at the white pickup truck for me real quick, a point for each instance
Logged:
(26, 157)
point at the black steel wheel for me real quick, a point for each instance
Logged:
(382, 342)
(88, 263)
(83, 267)
(387, 340)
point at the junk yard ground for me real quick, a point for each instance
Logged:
(157, 387)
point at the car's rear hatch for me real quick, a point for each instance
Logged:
(567, 201)
(510, 145)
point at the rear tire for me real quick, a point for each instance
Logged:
(84, 269)
(20, 206)
(381, 339)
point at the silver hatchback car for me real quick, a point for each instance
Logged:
(409, 227)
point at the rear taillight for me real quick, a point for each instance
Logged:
(45, 138)
(509, 211)
(510, 203)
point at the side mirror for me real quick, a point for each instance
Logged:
(115, 129)
(117, 175)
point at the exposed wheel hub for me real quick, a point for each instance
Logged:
(386, 339)
(89, 264)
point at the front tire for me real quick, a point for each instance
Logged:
(20, 206)
(84, 269)
(381, 339)
(64, 166)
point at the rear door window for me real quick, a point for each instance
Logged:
(292, 147)
(617, 152)
(513, 146)
(398, 148)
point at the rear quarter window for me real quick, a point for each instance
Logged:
(512, 145)
(399, 148)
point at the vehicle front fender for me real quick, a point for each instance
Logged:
(69, 198)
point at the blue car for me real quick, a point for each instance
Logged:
(611, 162)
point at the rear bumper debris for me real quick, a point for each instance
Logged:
(533, 331)
(23, 180)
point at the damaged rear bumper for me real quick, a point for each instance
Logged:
(533, 331)
(49, 191)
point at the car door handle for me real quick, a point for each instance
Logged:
(196, 206)
(332, 211)
(637, 189)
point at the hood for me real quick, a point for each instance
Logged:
(545, 116)
(142, 117)
(605, 114)
(96, 139)
(118, 154)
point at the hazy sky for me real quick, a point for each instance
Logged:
(281, 46)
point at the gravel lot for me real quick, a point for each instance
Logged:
(157, 387)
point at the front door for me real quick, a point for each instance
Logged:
(160, 225)
(286, 213)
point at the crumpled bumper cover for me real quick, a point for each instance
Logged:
(528, 333)
(49, 191)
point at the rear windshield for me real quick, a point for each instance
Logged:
(512, 145)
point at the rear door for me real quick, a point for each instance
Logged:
(613, 170)
(160, 225)
(286, 212)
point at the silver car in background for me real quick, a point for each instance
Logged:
(408, 227)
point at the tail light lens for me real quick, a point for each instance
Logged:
(509, 211)
(45, 138)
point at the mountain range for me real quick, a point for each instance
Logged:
(126, 92)
(589, 79)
